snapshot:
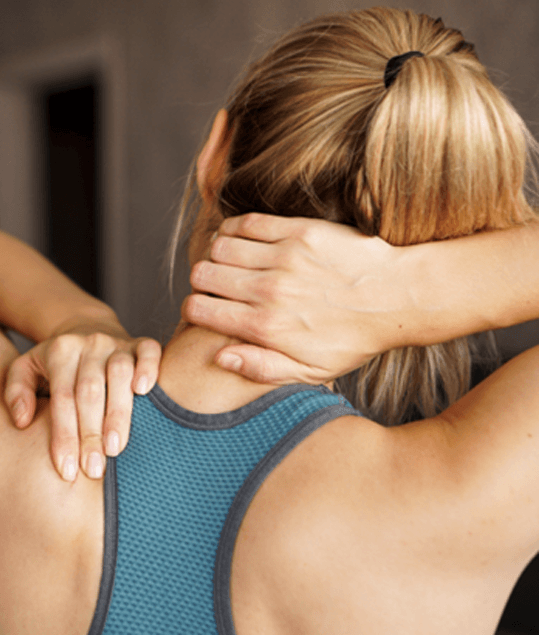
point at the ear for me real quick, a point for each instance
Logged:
(211, 162)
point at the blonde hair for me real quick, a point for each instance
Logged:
(441, 153)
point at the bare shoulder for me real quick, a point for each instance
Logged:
(51, 538)
(30, 484)
(307, 521)
(352, 510)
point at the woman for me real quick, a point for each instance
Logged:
(237, 507)
(82, 348)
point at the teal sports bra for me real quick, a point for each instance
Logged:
(175, 499)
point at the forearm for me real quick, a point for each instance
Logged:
(458, 287)
(37, 300)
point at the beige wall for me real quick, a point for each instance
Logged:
(179, 57)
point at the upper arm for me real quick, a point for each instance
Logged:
(482, 453)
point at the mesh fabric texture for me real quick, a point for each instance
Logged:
(177, 479)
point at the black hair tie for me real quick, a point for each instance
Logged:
(395, 64)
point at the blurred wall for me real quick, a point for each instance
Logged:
(178, 59)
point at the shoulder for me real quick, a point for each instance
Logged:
(299, 538)
(350, 511)
(51, 539)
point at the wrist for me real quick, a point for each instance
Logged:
(423, 307)
(385, 299)
(450, 295)
(426, 298)
(91, 318)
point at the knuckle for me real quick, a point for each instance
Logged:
(92, 439)
(63, 396)
(149, 347)
(191, 309)
(274, 287)
(188, 310)
(91, 443)
(120, 366)
(219, 248)
(64, 345)
(90, 389)
(263, 372)
(228, 224)
(198, 272)
(99, 341)
(308, 232)
(267, 288)
(251, 222)
(289, 259)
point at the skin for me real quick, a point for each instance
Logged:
(52, 531)
(275, 281)
(82, 348)
(417, 529)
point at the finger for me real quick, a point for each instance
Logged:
(90, 400)
(231, 318)
(120, 370)
(20, 390)
(262, 227)
(266, 366)
(244, 253)
(223, 280)
(64, 430)
(148, 354)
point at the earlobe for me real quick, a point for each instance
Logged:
(211, 161)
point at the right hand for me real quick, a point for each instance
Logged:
(91, 375)
(315, 299)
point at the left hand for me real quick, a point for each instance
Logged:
(91, 378)
(312, 299)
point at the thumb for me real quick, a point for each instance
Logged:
(266, 366)
(20, 391)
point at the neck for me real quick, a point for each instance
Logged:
(190, 377)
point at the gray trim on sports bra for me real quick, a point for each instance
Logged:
(238, 509)
(224, 420)
(110, 549)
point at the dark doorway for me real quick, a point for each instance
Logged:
(72, 180)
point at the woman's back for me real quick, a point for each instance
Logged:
(338, 522)
(359, 528)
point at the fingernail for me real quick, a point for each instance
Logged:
(230, 361)
(112, 444)
(69, 469)
(94, 465)
(142, 385)
(18, 409)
